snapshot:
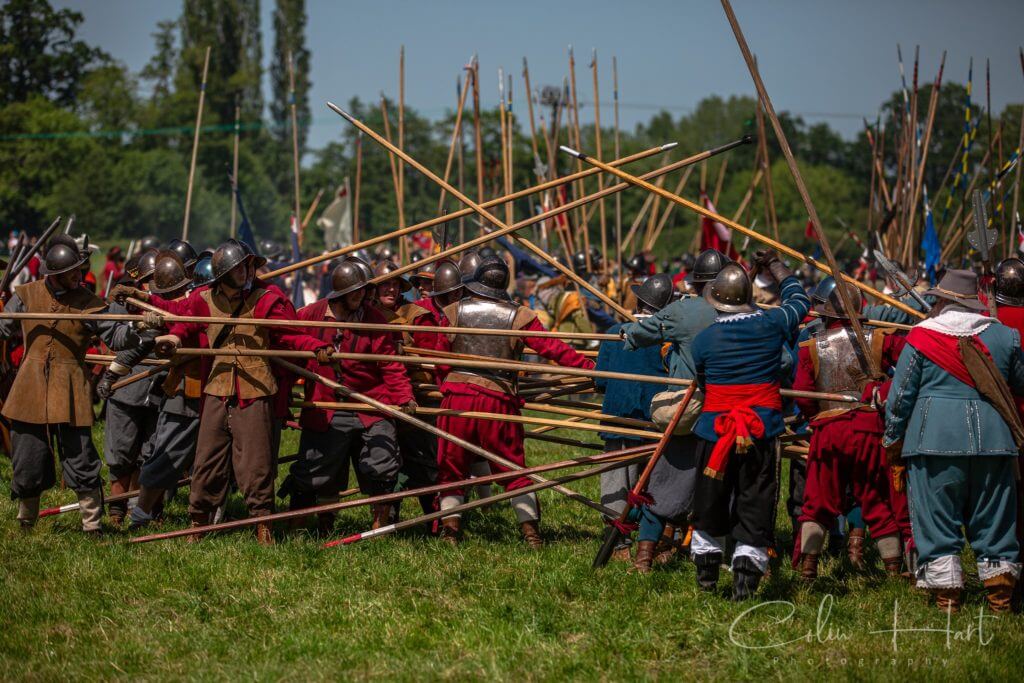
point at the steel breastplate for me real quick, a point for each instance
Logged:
(839, 369)
(489, 315)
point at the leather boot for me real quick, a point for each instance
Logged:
(622, 554)
(450, 530)
(531, 534)
(708, 567)
(381, 515)
(893, 566)
(118, 509)
(1000, 592)
(666, 549)
(855, 548)
(947, 599)
(28, 512)
(265, 533)
(90, 506)
(809, 566)
(198, 519)
(644, 557)
(745, 578)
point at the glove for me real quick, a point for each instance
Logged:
(150, 321)
(106, 385)
(763, 258)
(894, 454)
(409, 408)
(323, 355)
(121, 292)
(166, 345)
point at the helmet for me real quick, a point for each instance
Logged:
(828, 303)
(185, 251)
(362, 264)
(259, 260)
(487, 252)
(82, 241)
(731, 291)
(468, 263)
(227, 256)
(423, 273)
(579, 262)
(147, 264)
(688, 261)
(1009, 286)
(169, 273)
(272, 250)
(707, 266)
(656, 291)
(447, 277)
(383, 268)
(637, 265)
(595, 257)
(202, 274)
(62, 255)
(149, 242)
(385, 253)
(490, 279)
(346, 277)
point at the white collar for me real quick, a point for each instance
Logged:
(957, 321)
(732, 317)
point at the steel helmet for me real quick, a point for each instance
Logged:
(447, 277)
(185, 251)
(346, 277)
(169, 273)
(490, 279)
(1009, 286)
(656, 291)
(731, 291)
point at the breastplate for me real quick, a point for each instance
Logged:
(489, 315)
(840, 369)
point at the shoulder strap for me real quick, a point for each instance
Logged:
(991, 384)
(226, 329)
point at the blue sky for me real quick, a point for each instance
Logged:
(825, 60)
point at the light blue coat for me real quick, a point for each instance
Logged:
(679, 323)
(937, 414)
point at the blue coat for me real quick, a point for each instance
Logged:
(628, 398)
(937, 414)
(679, 323)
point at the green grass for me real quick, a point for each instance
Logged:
(410, 608)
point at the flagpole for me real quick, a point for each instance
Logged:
(195, 146)
(234, 176)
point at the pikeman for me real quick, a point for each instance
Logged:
(632, 399)
(388, 297)
(423, 278)
(738, 363)
(51, 396)
(236, 430)
(419, 448)
(846, 443)
(331, 438)
(131, 412)
(179, 390)
(948, 418)
(488, 305)
(636, 272)
(672, 482)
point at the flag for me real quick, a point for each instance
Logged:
(245, 233)
(336, 220)
(714, 235)
(930, 245)
(809, 232)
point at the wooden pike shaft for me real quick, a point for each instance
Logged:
(397, 414)
(600, 178)
(780, 135)
(478, 141)
(295, 138)
(793, 253)
(195, 146)
(533, 125)
(568, 272)
(618, 197)
(930, 121)
(401, 134)
(580, 191)
(456, 135)
(234, 174)
(497, 417)
(425, 225)
(355, 192)
(395, 165)
(613, 456)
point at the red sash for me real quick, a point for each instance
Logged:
(943, 350)
(737, 425)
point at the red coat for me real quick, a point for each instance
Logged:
(386, 382)
(434, 317)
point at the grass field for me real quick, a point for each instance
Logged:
(410, 608)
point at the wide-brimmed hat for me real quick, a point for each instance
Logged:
(960, 287)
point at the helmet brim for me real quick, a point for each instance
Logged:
(488, 292)
(723, 307)
(43, 270)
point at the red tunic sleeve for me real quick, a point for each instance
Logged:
(555, 349)
(804, 381)
(393, 373)
(288, 338)
(192, 305)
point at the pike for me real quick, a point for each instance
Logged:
(580, 187)
(19, 247)
(234, 174)
(780, 135)
(397, 414)
(401, 142)
(451, 216)
(906, 287)
(600, 178)
(618, 197)
(23, 260)
(792, 253)
(636, 496)
(295, 139)
(504, 143)
(539, 169)
(359, 183)
(472, 505)
(601, 458)
(478, 143)
(195, 146)
(483, 213)
(456, 135)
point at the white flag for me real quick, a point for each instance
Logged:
(336, 220)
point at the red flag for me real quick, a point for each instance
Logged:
(714, 235)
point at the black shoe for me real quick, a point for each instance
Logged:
(745, 578)
(708, 566)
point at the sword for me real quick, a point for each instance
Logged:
(901, 279)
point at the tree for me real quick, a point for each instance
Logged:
(39, 54)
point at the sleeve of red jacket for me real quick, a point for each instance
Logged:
(393, 374)
(192, 305)
(432, 341)
(892, 347)
(555, 349)
(804, 381)
(288, 338)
